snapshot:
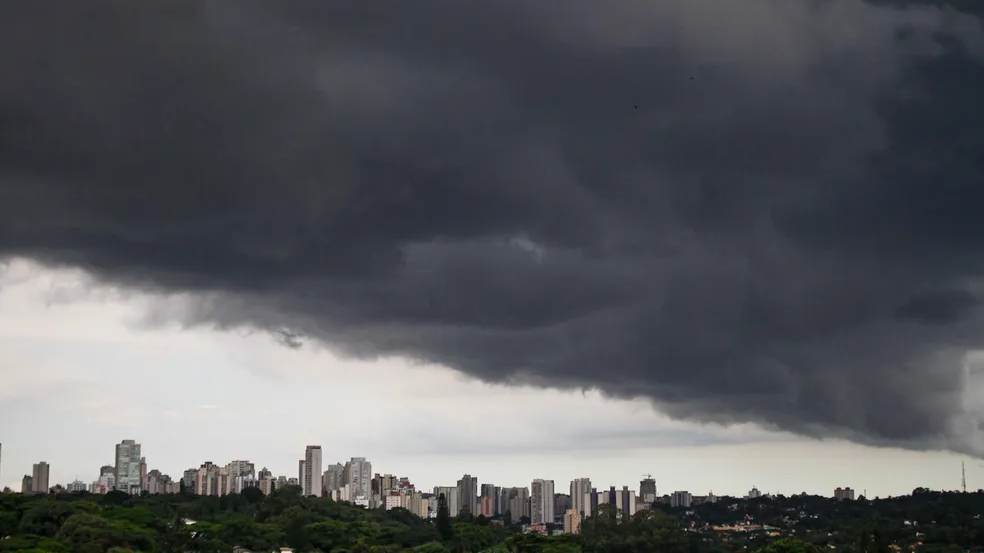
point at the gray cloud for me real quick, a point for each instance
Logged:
(747, 212)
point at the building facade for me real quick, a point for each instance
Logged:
(39, 477)
(312, 471)
(128, 467)
(468, 495)
(542, 501)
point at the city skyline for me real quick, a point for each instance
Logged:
(728, 244)
(478, 485)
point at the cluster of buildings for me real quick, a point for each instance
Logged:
(539, 505)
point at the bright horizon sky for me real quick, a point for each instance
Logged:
(80, 370)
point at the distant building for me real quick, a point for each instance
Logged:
(312, 471)
(842, 494)
(333, 478)
(39, 477)
(468, 495)
(572, 522)
(647, 490)
(542, 501)
(562, 502)
(76, 486)
(450, 496)
(27, 484)
(681, 499)
(358, 473)
(128, 467)
(267, 484)
(491, 491)
(517, 503)
(754, 493)
(581, 496)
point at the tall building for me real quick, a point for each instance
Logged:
(143, 474)
(625, 499)
(300, 477)
(334, 477)
(491, 491)
(647, 490)
(312, 471)
(450, 494)
(468, 495)
(359, 477)
(264, 472)
(107, 469)
(39, 478)
(542, 501)
(517, 503)
(27, 484)
(581, 496)
(572, 522)
(842, 494)
(562, 502)
(127, 471)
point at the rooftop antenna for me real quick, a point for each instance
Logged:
(963, 477)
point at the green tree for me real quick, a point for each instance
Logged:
(444, 527)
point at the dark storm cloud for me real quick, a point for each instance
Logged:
(753, 211)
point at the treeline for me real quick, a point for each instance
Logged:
(117, 522)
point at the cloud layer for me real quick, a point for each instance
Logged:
(761, 211)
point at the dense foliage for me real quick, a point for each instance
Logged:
(925, 521)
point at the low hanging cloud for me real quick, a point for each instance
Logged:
(761, 211)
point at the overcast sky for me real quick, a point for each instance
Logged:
(757, 218)
(81, 373)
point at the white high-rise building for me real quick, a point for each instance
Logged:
(312, 471)
(581, 495)
(128, 467)
(542, 501)
(359, 476)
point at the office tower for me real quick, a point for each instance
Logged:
(39, 478)
(143, 474)
(107, 469)
(359, 477)
(542, 501)
(27, 484)
(593, 504)
(468, 495)
(647, 490)
(300, 477)
(312, 471)
(581, 495)
(127, 471)
(264, 472)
